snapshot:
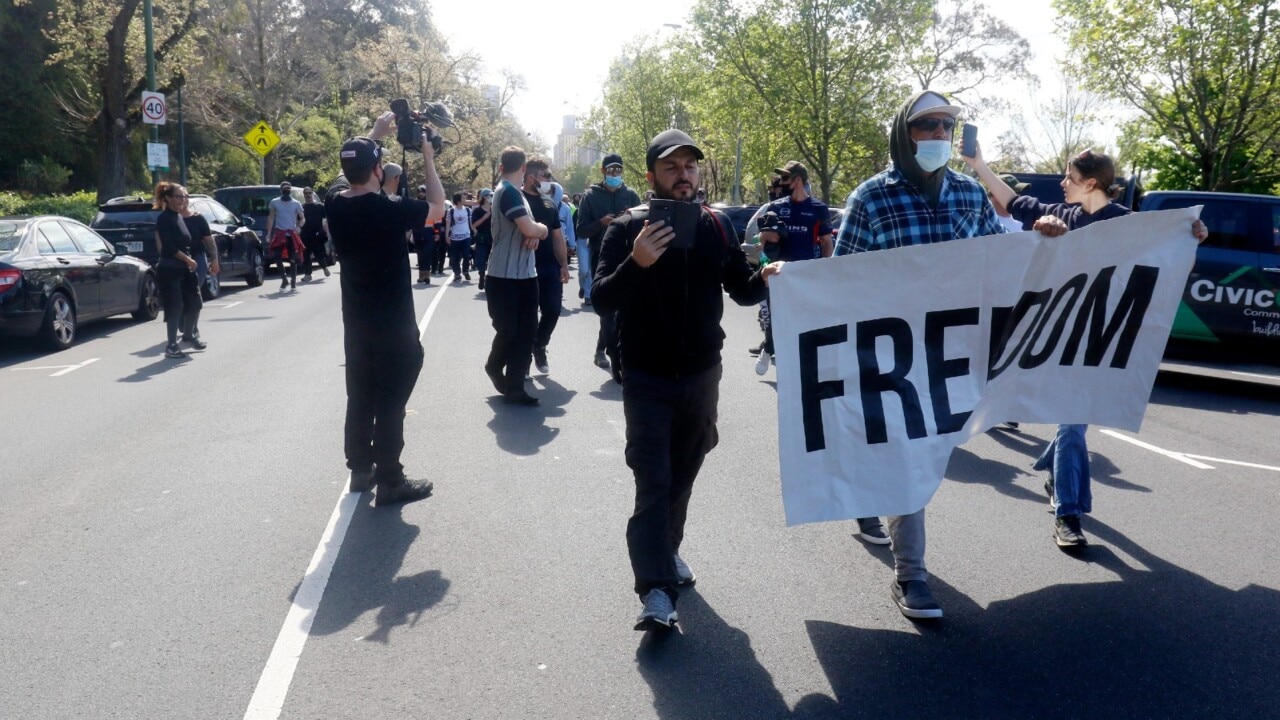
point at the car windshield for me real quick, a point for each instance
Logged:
(120, 219)
(11, 234)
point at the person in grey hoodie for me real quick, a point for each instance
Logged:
(600, 205)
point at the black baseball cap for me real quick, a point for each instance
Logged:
(610, 160)
(667, 142)
(359, 153)
(794, 168)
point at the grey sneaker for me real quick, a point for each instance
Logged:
(1067, 533)
(871, 530)
(763, 362)
(914, 599)
(540, 360)
(601, 360)
(659, 611)
(684, 573)
(1048, 487)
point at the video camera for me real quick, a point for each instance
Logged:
(409, 123)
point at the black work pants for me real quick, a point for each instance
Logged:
(313, 248)
(380, 378)
(513, 308)
(180, 297)
(550, 299)
(671, 426)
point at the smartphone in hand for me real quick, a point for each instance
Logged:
(681, 216)
(969, 141)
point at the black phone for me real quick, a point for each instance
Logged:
(969, 141)
(679, 215)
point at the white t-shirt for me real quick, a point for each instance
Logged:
(287, 212)
(1010, 225)
(460, 223)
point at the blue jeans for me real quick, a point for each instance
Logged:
(584, 268)
(1067, 457)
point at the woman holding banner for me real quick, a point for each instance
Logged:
(1086, 185)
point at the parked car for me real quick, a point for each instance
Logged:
(1232, 296)
(56, 274)
(130, 223)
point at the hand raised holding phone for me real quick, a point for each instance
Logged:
(653, 240)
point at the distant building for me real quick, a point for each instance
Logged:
(570, 150)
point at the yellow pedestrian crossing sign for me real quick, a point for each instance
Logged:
(262, 138)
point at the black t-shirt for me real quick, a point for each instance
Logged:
(199, 228)
(313, 214)
(377, 297)
(480, 218)
(174, 236)
(545, 212)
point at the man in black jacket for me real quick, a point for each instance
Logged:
(670, 302)
(602, 203)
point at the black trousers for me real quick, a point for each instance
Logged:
(425, 247)
(439, 252)
(380, 378)
(550, 300)
(513, 308)
(313, 248)
(180, 297)
(671, 426)
(459, 256)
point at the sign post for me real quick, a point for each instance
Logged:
(158, 156)
(262, 139)
(154, 111)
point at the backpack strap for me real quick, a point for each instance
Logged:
(724, 236)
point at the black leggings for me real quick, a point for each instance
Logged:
(180, 295)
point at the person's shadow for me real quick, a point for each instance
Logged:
(1160, 642)
(364, 577)
(523, 430)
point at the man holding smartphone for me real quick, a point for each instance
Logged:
(670, 301)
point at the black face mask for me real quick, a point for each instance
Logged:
(285, 194)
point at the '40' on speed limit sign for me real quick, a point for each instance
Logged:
(153, 109)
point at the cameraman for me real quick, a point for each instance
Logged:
(380, 332)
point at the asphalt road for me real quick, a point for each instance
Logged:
(159, 517)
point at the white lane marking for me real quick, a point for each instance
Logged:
(1235, 462)
(224, 305)
(1256, 375)
(273, 685)
(62, 369)
(431, 310)
(1180, 457)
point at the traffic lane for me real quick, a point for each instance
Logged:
(512, 594)
(156, 575)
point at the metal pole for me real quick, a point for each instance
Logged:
(151, 72)
(182, 137)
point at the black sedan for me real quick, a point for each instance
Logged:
(56, 273)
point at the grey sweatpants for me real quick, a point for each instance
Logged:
(906, 532)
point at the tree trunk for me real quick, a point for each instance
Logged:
(113, 122)
(113, 155)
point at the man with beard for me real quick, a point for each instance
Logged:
(916, 201)
(600, 205)
(670, 301)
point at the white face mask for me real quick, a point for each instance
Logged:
(932, 154)
(544, 188)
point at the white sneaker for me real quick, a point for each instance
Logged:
(659, 612)
(762, 365)
(684, 573)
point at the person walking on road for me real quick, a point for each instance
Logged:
(175, 268)
(671, 301)
(457, 232)
(284, 221)
(313, 235)
(380, 332)
(205, 252)
(551, 258)
(481, 215)
(601, 203)
(511, 289)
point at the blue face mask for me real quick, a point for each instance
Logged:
(932, 154)
(613, 181)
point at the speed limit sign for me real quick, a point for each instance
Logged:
(153, 109)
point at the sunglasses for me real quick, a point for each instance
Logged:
(931, 124)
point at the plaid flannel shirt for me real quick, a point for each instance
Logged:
(887, 211)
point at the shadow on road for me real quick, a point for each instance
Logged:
(1156, 643)
(523, 430)
(365, 577)
(1197, 392)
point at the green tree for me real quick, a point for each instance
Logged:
(1203, 74)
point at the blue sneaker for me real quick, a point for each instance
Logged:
(659, 611)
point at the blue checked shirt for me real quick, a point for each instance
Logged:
(887, 211)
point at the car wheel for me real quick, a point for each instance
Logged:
(59, 328)
(212, 287)
(148, 300)
(257, 270)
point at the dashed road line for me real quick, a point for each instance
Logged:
(62, 369)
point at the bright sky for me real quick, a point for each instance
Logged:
(567, 57)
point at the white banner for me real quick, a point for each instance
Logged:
(885, 358)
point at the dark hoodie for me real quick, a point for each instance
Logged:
(902, 151)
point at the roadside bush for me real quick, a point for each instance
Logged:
(43, 175)
(79, 206)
